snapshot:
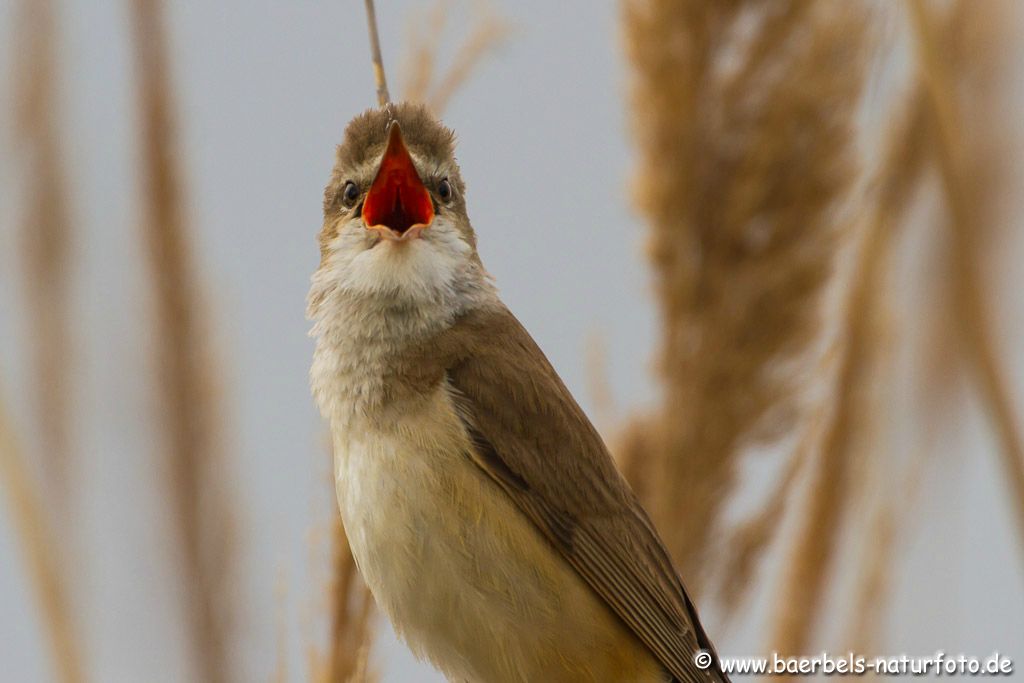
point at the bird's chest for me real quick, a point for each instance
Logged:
(432, 537)
(406, 491)
(463, 576)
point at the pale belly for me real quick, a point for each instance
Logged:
(465, 579)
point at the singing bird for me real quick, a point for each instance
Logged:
(482, 507)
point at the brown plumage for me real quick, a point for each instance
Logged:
(483, 508)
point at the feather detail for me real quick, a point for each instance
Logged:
(530, 436)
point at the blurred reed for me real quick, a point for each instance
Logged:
(423, 81)
(970, 197)
(41, 498)
(742, 115)
(931, 134)
(420, 57)
(44, 556)
(349, 610)
(190, 413)
(901, 172)
(351, 622)
(850, 433)
(47, 235)
(747, 543)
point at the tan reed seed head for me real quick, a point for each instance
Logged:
(742, 113)
(910, 154)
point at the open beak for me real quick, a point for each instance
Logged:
(397, 205)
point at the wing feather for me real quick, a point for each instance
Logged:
(530, 436)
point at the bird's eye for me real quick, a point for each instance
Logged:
(444, 190)
(350, 194)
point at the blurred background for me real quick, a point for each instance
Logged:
(773, 248)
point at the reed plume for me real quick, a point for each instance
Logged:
(742, 115)
(931, 135)
(190, 413)
(47, 235)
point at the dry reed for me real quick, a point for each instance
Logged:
(742, 113)
(189, 412)
(423, 82)
(849, 433)
(903, 169)
(43, 556)
(351, 623)
(967, 211)
(489, 33)
(47, 235)
(874, 583)
(383, 97)
(972, 47)
(350, 610)
(421, 55)
(41, 511)
(748, 542)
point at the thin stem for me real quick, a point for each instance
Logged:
(383, 98)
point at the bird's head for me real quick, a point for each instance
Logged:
(395, 221)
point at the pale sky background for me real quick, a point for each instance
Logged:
(265, 89)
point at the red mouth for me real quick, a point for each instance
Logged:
(397, 204)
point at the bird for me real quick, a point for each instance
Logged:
(482, 508)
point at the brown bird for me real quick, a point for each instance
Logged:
(482, 507)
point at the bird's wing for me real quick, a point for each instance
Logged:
(531, 437)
